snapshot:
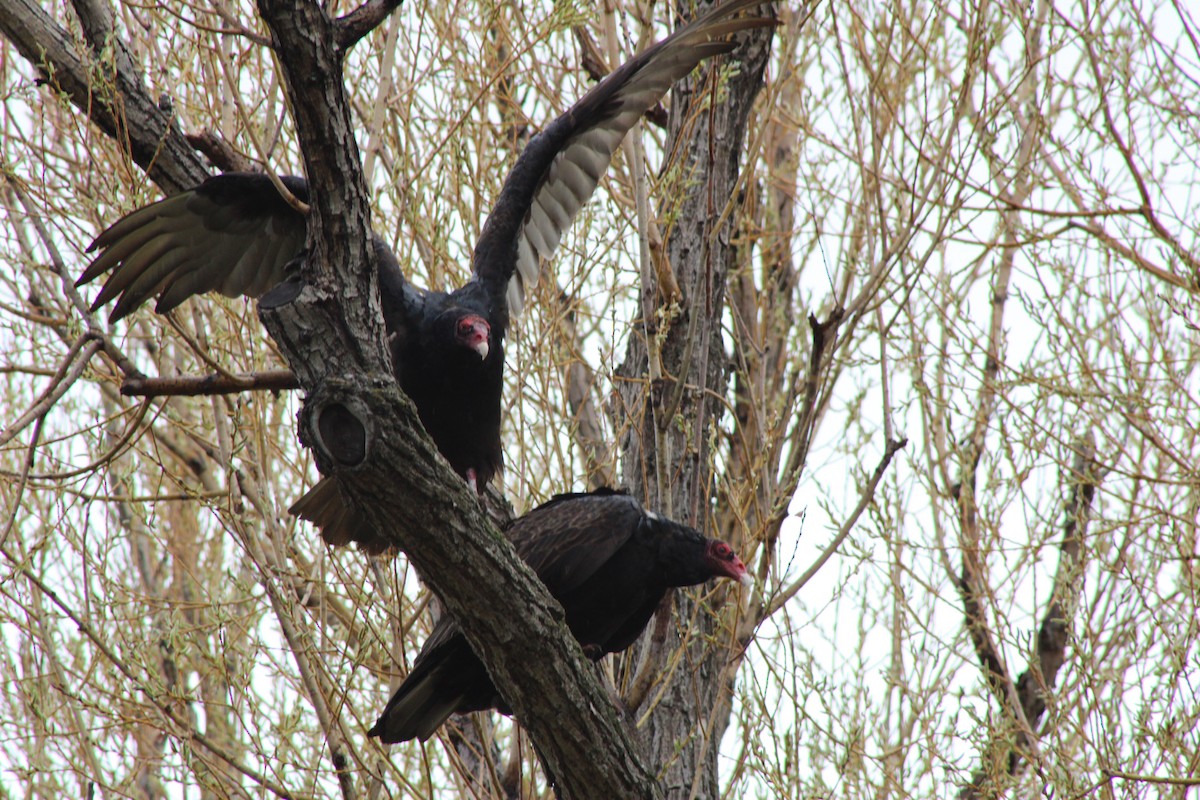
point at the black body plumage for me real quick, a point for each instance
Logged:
(604, 558)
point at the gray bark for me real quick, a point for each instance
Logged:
(683, 733)
(365, 432)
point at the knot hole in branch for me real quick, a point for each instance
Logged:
(340, 430)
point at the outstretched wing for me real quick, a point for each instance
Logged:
(561, 166)
(233, 234)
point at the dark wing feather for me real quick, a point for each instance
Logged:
(446, 677)
(566, 540)
(233, 234)
(561, 167)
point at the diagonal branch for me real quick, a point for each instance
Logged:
(866, 497)
(364, 432)
(73, 364)
(123, 110)
(352, 27)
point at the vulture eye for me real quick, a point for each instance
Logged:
(724, 551)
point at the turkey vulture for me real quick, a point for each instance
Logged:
(608, 562)
(234, 233)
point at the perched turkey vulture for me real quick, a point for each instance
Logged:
(235, 234)
(608, 562)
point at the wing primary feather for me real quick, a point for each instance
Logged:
(147, 227)
(138, 218)
(140, 273)
(233, 233)
(561, 167)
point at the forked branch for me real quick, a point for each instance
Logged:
(1038, 680)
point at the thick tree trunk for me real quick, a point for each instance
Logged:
(707, 128)
(365, 432)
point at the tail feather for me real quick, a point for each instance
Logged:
(322, 505)
(415, 712)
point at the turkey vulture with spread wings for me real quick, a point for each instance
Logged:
(604, 558)
(236, 234)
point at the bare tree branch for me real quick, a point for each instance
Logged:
(352, 27)
(125, 112)
(538, 667)
(866, 497)
(1036, 683)
(581, 382)
(276, 380)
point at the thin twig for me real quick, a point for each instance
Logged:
(72, 366)
(185, 730)
(23, 482)
(865, 499)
